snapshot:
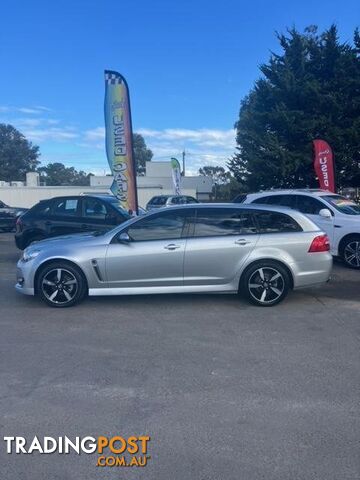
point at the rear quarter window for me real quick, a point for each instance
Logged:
(273, 222)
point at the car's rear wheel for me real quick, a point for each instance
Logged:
(265, 283)
(350, 252)
(61, 285)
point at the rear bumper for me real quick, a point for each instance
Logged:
(19, 242)
(315, 272)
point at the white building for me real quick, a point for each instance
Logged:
(157, 181)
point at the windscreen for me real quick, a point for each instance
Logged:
(342, 204)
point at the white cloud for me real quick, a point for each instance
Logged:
(95, 134)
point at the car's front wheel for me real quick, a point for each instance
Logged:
(60, 284)
(350, 251)
(265, 283)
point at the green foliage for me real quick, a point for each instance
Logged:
(17, 154)
(311, 90)
(225, 186)
(142, 153)
(56, 174)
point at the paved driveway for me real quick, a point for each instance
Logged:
(225, 390)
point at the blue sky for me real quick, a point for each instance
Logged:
(188, 65)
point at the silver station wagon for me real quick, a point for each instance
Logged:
(260, 252)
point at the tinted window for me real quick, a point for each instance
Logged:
(309, 205)
(158, 201)
(65, 207)
(240, 198)
(94, 208)
(223, 221)
(191, 200)
(272, 222)
(262, 200)
(282, 200)
(158, 227)
(42, 208)
(177, 200)
(2, 205)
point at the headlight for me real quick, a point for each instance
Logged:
(29, 255)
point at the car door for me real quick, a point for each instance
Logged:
(311, 207)
(154, 254)
(64, 217)
(222, 238)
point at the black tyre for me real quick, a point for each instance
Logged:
(265, 283)
(60, 285)
(350, 251)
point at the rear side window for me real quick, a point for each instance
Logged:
(262, 200)
(273, 222)
(65, 207)
(309, 205)
(158, 201)
(177, 200)
(212, 222)
(42, 208)
(240, 198)
(282, 200)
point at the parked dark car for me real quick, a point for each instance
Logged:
(66, 215)
(8, 216)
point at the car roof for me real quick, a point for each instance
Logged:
(313, 191)
(241, 206)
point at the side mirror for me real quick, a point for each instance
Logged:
(325, 213)
(124, 238)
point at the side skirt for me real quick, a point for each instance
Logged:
(159, 290)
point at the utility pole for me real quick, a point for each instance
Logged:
(183, 161)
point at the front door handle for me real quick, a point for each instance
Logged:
(242, 241)
(172, 246)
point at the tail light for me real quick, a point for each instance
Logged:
(19, 224)
(320, 244)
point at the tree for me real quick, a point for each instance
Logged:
(218, 174)
(225, 186)
(17, 155)
(142, 153)
(57, 174)
(311, 90)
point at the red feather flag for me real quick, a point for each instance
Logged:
(324, 165)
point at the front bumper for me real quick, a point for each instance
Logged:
(23, 282)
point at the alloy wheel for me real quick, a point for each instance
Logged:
(352, 254)
(266, 285)
(59, 286)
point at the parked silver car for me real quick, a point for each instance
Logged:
(261, 252)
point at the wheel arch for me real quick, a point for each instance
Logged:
(267, 259)
(56, 260)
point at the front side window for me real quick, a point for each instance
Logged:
(273, 222)
(342, 204)
(191, 200)
(212, 222)
(65, 207)
(163, 226)
(94, 208)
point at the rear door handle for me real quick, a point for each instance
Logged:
(172, 246)
(242, 241)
